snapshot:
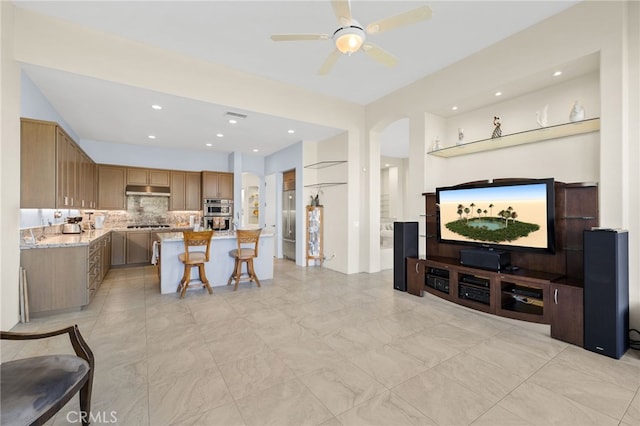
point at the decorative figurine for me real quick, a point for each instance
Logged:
(541, 118)
(460, 136)
(497, 131)
(577, 112)
(436, 144)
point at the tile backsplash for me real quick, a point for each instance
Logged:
(140, 210)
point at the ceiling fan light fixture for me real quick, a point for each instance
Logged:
(349, 39)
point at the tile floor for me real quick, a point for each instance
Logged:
(316, 347)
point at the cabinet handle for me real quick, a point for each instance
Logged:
(66, 200)
(555, 296)
(417, 268)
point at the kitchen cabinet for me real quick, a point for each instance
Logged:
(185, 191)
(86, 174)
(111, 187)
(65, 277)
(138, 247)
(118, 248)
(140, 176)
(53, 168)
(217, 185)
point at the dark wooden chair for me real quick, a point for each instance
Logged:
(195, 258)
(244, 254)
(34, 389)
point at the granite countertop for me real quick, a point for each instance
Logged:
(87, 237)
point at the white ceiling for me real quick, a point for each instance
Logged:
(236, 34)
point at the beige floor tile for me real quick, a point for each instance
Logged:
(384, 410)
(307, 355)
(342, 386)
(387, 365)
(562, 378)
(277, 335)
(164, 366)
(212, 332)
(444, 400)
(183, 396)
(235, 346)
(179, 337)
(254, 374)
(423, 346)
(632, 416)
(351, 339)
(483, 378)
(543, 407)
(498, 416)
(267, 317)
(224, 415)
(289, 403)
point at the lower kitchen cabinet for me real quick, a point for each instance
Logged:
(138, 247)
(118, 248)
(64, 277)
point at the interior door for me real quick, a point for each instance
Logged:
(270, 211)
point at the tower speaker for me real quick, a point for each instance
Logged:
(405, 244)
(606, 291)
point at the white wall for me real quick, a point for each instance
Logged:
(9, 171)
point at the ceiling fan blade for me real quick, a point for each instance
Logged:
(299, 37)
(379, 54)
(342, 10)
(406, 18)
(329, 62)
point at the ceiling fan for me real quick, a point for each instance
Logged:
(350, 36)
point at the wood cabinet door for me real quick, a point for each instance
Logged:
(38, 165)
(225, 186)
(62, 145)
(415, 276)
(567, 310)
(177, 199)
(137, 176)
(118, 248)
(159, 177)
(111, 186)
(193, 196)
(138, 247)
(209, 185)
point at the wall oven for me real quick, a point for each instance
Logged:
(218, 208)
(218, 214)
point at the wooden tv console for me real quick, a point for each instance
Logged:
(546, 288)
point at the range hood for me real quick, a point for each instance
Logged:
(149, 190)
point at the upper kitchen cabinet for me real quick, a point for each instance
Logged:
(139, 176)
(217, 185)
(185, 191)
(111, 187)
(54, 170)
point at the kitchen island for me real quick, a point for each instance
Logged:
(220, 265)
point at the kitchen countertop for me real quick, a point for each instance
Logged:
(87, 237)
(223, 235)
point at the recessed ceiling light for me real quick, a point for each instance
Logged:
(220, 135)
(387, 165)
(498, 93)
(208, 144)
(557, 73)
(454, 108)
(255, 150)
(156, 106)
(291, 131)
(232, 121)
(151, 137)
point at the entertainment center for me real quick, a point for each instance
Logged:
(543, 280)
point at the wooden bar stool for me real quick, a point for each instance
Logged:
(195, 258)
(245, 254)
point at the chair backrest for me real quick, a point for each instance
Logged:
(249, 236)
(197, 238)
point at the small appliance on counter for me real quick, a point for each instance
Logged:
(72, 226)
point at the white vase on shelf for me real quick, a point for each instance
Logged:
(577, 112)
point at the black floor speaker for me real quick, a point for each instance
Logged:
(405, 244)
(606, 292)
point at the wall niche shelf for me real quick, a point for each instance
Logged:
(323, 164)
(521, 138)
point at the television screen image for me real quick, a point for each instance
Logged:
(517, 214)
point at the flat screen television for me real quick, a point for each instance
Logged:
(511, 215)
